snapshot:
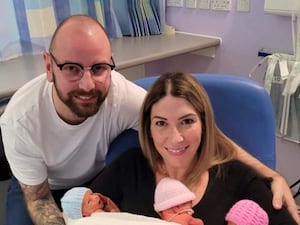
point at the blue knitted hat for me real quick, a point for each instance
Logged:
(71, 202)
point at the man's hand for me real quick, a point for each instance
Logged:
(280, 188)
(282, 195)
(41, 205)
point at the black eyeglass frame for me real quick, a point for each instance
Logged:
(60, 66)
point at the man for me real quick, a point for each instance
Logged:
(57, 128)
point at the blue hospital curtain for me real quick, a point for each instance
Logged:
(27, 25)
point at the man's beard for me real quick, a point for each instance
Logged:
(82, 110)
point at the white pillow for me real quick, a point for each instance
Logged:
(117, 218)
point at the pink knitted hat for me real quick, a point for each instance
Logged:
(170, 192)
(247, 212)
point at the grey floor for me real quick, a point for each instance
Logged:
(3, 188)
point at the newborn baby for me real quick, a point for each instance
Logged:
(81, 207)
(80, 202)
(173, 202)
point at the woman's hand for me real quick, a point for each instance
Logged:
(282, 195)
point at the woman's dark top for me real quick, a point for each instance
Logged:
(130, 183)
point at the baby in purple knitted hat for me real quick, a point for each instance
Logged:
(247, 212)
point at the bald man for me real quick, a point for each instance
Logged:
(57, 128)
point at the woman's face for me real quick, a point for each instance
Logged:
(176, 131)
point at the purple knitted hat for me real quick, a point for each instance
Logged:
(247, 212)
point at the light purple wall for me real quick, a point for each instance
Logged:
(243, 35)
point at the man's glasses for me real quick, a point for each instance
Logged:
(75, 71)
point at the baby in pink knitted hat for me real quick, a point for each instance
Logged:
(173, 202)
(247, 212)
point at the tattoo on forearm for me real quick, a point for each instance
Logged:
(45, 211)
(41, 205)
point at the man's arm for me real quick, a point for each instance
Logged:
(281, 191)
(254, 163)
(41, 205)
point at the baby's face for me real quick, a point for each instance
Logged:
(182, 212)
(91, 203)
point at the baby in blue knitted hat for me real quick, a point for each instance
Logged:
(80, 202)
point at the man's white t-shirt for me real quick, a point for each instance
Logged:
(39, 145)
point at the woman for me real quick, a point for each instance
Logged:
(180, 139)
